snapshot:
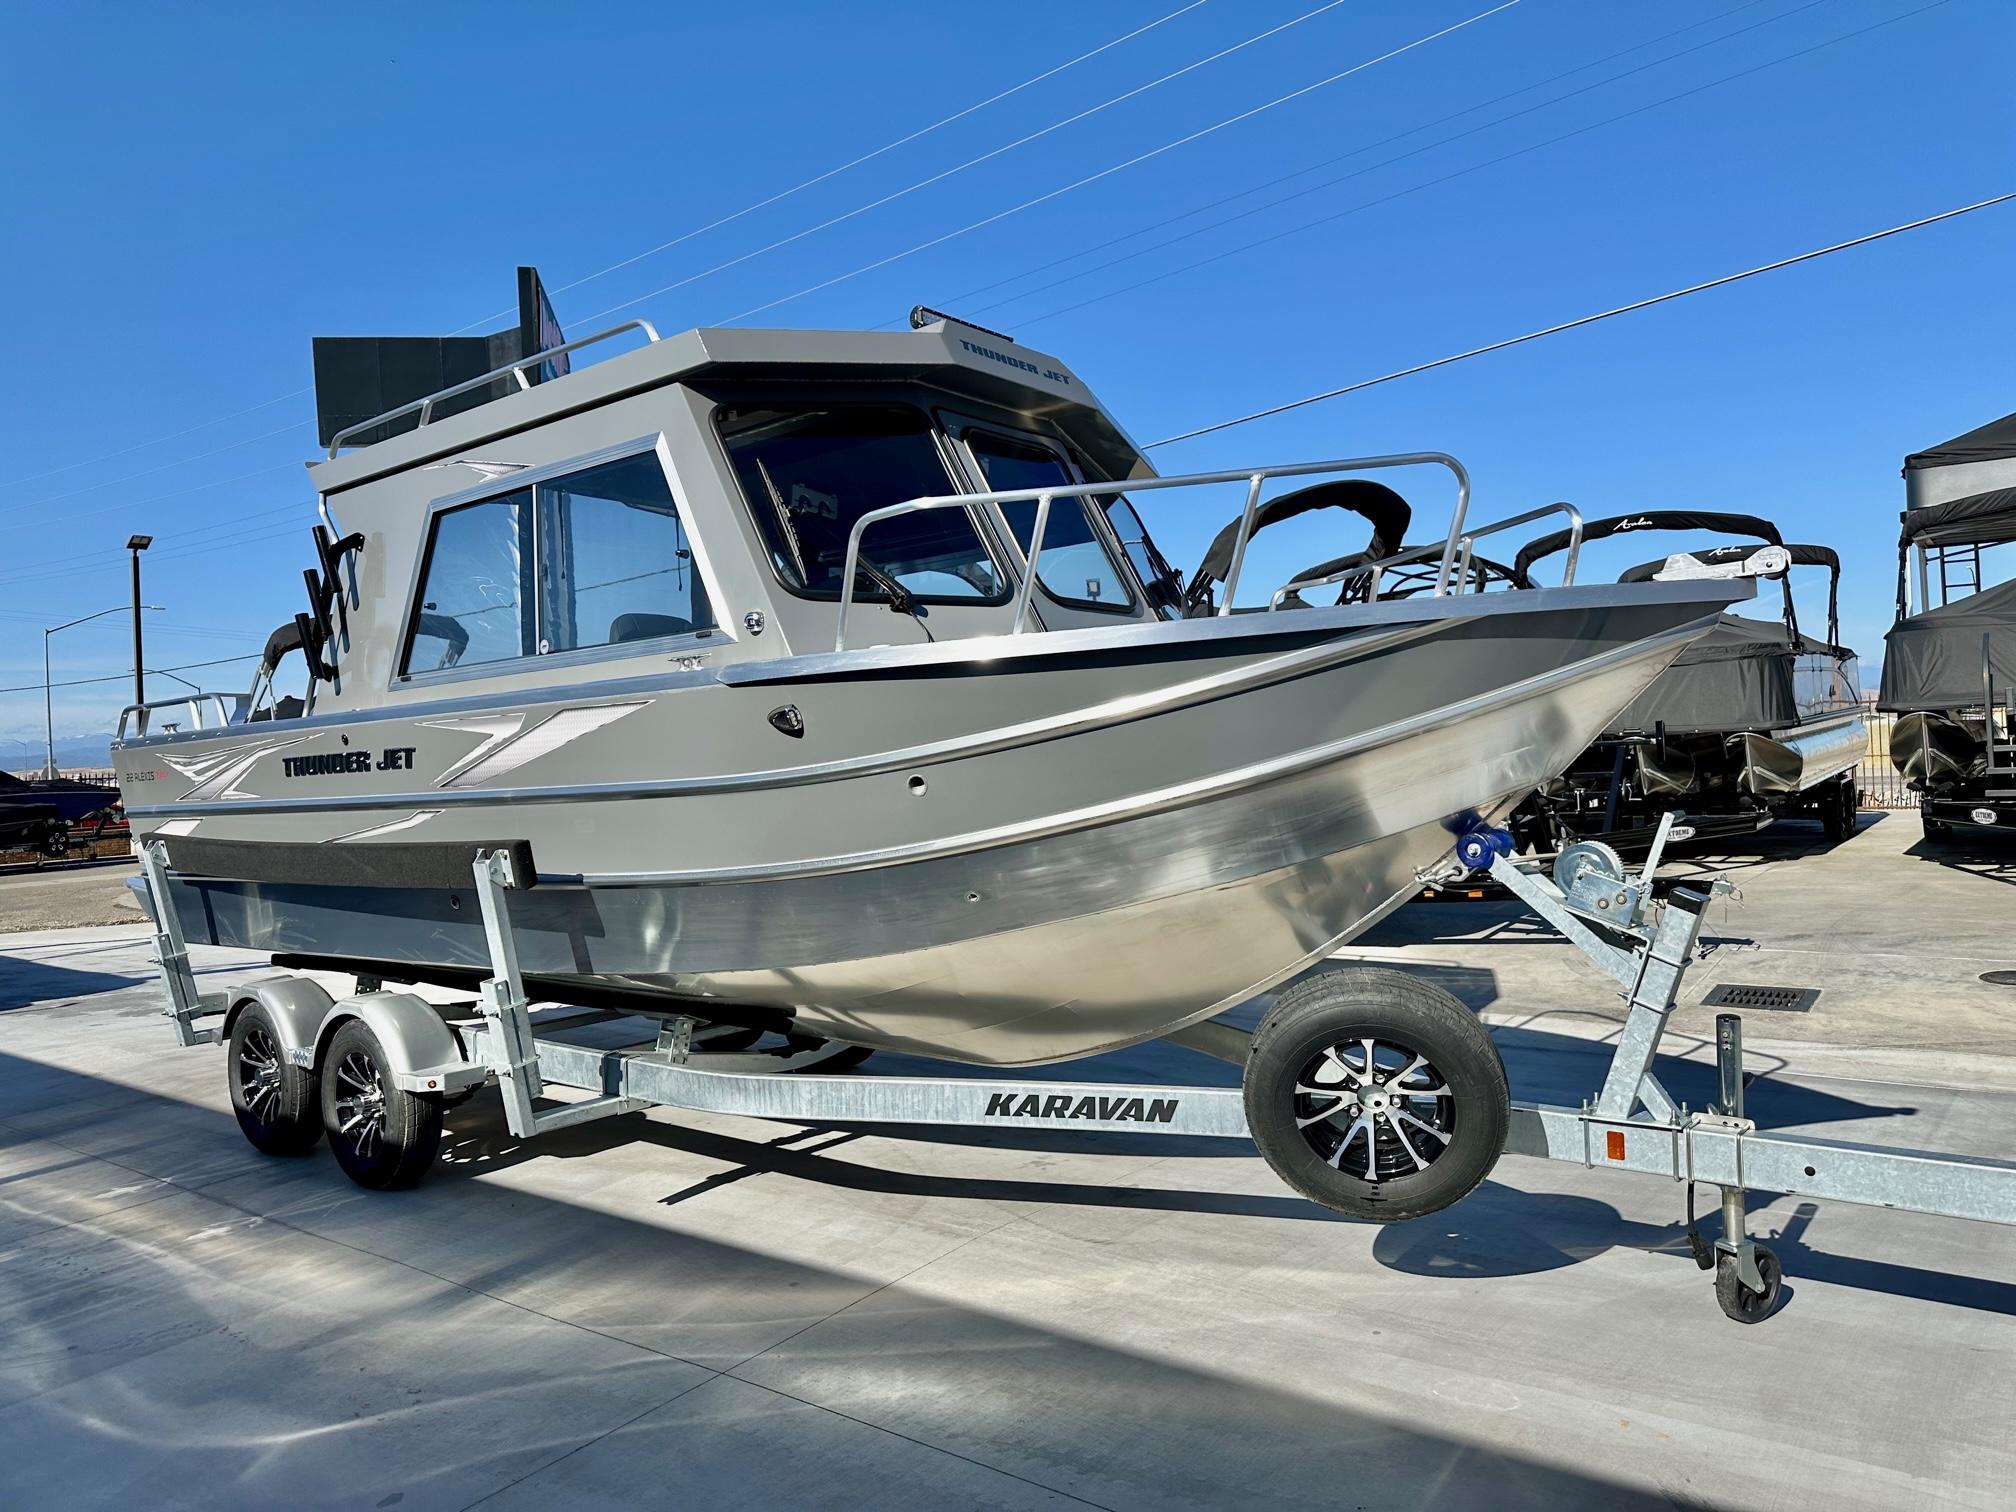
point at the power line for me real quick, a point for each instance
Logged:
(1583, 320)
(576, 283)
(1091, 178)
(158, 467)
(187, 430)
(1445, 178)
(22, 571)
(1401, 157)
(951, 301)
(939, 178)
(902, 141)
(80, 682)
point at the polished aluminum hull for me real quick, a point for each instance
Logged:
(1799, 760)
(1000, 852)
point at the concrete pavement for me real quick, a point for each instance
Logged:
(677, 1309)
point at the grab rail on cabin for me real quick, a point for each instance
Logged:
(229, 708)
(425, 405)
(1252, 478)
(1465, 551)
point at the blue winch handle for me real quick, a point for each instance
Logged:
(1476, 847)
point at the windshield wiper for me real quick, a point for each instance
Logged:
(901, 601)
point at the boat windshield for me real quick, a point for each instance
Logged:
(1074, 567)
(809, 473)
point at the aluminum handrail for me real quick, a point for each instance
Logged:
(1252, 477)
(231, 709)
(1465, 545)
(510, 370)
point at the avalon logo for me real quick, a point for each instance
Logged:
(1098, 1109)
(1641, 523)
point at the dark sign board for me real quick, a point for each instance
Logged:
(359, 377)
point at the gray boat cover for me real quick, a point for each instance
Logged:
(1984, 517)
(1933, 660)
(1739, 676)
(1985, 443)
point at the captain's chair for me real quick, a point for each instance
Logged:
(637, 627)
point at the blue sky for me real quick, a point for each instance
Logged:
(194, 192)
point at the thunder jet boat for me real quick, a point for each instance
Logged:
(835, 684)
(1754, 722)
(1949, 667)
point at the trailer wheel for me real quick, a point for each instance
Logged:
(1738, 1300)
(383, 1136)
(1376, 1094)
(273, 1098)
(1837, 811)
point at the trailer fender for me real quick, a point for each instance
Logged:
(296, 1006)
(422, 1050)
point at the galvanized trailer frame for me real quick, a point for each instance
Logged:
(1630, 1124)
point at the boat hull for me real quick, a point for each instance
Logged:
(1799, 760)
(1066, 862)
(1931, 748)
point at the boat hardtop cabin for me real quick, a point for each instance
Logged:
(692, 500)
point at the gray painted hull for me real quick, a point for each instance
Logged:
(1005, 859)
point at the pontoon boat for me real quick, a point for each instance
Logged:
(1754, 722)
(1948, 669)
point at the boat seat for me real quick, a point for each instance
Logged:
(636, 627)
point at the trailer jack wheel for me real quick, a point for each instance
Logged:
(1739, 1301)
(1376, 1094)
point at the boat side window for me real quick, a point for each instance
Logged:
(615, 563)
(1074, 567)
(475, 587)
(809, 473)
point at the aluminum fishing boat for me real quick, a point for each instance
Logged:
(1949, 667)
(836, 686)
(1755, 722)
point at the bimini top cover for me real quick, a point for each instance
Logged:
(1983, 518)
(1933, 660)
(1739, 676)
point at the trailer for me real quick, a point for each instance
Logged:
(439, 1056)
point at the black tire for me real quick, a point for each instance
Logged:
(1838, 810)
(1408, 1029)
(274, 1099)
(56, 842)
(384, 1137)
(1739, 1301)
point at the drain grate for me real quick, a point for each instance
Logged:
(1774, 999)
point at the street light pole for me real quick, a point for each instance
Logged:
(48, 705)
(136, 545)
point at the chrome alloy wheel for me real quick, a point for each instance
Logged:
(259, 1070)
(360, 1103)
(1374, 1109)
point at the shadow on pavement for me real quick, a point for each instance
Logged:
(113, 1328)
